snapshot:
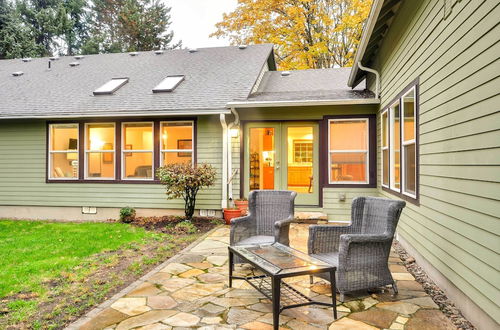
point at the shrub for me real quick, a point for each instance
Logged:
(184, 181)
(187, 227)
(127, 214)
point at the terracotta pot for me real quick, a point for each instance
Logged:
(230, 214)
(242, 205)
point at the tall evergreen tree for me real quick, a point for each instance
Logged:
(129, 25)
(16, 39)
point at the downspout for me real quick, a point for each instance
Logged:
(224, 160)
(235, 123)
(377, 78)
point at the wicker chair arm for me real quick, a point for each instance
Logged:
(241, 228)
(364, 251)
(281, 230)
(325, 238)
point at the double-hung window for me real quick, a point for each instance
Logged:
(400, 144)
(63, 151)
(409, 155)
(117, 151)
(176, 142)
(137, 151)
(348, 151)
(100, 151)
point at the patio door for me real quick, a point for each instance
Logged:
(282, 156)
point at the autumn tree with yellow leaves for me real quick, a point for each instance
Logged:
(306, 33)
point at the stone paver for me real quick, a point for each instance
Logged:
(192, 292)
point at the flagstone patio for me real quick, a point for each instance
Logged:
(191, 291)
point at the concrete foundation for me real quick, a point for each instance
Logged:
(75, 213)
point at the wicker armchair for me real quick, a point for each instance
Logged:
(361, 250)
(269, 216)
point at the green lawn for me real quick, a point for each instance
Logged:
(33, 253)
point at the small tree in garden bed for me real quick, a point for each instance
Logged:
(184, 181)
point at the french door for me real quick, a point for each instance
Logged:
(282, 156)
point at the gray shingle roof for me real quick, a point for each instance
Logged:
(308, 85)
(213, 77)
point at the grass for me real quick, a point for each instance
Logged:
(34, 253)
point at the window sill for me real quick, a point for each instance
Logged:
(415, 201)
(105, 181)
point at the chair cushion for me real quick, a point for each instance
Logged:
(331, 258)
(256, 240)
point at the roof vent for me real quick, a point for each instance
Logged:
(192, 50)
(159, 51)
(79, 57)
(26, 59)
(168, 84)
(133, 53)
(111, 86)
(242, 46)
(17, 73)
(285, 73)
(54, 58)
(74, 64)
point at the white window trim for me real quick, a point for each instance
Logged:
(86, 152)
(122, 132)
(392, 152)
(330, 152)
(177, 150)
(51, 152)
(409, 142)
(385, 148)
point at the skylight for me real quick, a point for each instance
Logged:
(111, 86)
(168, 84)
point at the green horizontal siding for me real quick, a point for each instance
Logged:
(456, 227)
(22, 173)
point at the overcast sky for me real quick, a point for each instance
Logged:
(194, 20)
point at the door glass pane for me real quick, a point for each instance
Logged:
(348, 167)
(262, 158)
(300, 159)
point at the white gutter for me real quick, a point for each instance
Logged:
(377, 78)
(298, 103)
(224, 160)
(235, 123)
(365, 38)
(120, 114)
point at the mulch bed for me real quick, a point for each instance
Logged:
(445, 305)
(168, 224)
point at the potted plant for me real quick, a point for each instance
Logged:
(231, 213)
(242, 204)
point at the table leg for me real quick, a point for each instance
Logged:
(231, 268)
(334, 293)
(276, 302)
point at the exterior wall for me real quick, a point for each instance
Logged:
(335, 209)
(23, 173)
(456, 227)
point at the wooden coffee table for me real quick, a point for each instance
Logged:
(276, 262)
